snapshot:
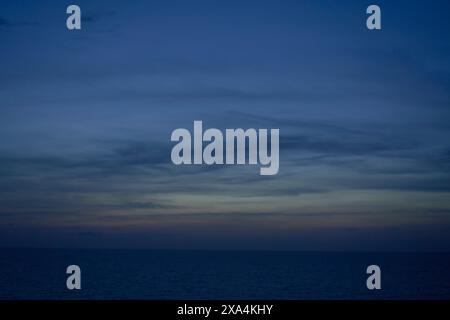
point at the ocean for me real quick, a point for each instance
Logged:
(152, 274)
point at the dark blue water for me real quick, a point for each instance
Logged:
(133, 274)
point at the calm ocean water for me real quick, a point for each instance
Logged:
(135, 274)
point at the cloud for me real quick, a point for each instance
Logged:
(7, 23)
(344, 145)
(96, 16)
(4, 22)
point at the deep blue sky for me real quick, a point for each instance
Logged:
(86, 117)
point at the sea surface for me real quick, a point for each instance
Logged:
(141, 274)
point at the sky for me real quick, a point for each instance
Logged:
(86, 118)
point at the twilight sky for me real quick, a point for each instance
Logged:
(364, 119)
